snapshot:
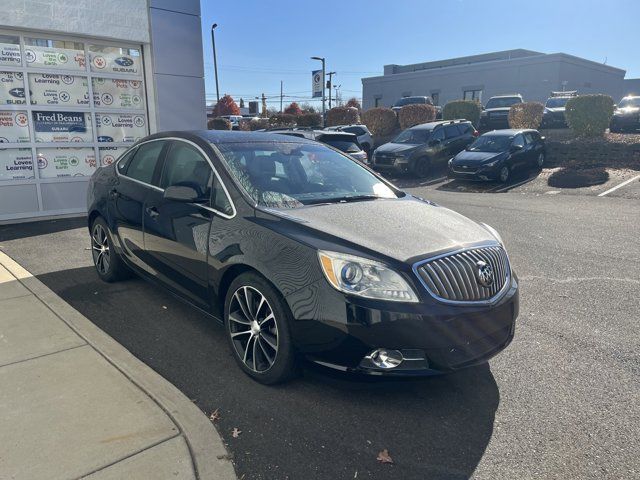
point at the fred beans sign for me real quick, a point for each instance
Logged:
(52, 57)
(109, 155)
(66, 162)
(12, 88)
(53, 89)
(116, 93)
(115, 59)
(14, 127)
(62, 126)
(16, 164)
(120, 127)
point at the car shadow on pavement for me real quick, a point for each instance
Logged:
(517, 179)
(15, 231)
(322, 425)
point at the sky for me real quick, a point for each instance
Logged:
(260, 43)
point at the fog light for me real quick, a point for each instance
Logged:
(383, 358)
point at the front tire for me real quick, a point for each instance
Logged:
(421, 167)
(257, 324)
(504, 174)
(109, 266)
(540, 160)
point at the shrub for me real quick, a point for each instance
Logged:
(589, 115)
(282, 120)
(353, 102)
(467, 109)
(243, 124)
(258, 123)
(380, 121)
(309, 120)
(219, 124)
(342, 116)
(293, 109)
(526, 115)
(226, 106)
(416, 114)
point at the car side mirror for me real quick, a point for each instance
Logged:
(180, 193)
(516, 148)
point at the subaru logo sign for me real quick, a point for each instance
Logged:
(124, 61)
(105, 138)
(17, 92)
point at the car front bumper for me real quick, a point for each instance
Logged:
(433, 337)
(626, 122)
(479, 173)
(390, 164)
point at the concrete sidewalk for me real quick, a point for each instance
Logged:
(76, 404)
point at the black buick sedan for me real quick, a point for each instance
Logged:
(495, 155)
(300, 251)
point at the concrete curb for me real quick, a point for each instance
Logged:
(210, 458)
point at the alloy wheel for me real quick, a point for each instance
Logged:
(540, 160)
(253, 329)
(504, 174)
(100, 249)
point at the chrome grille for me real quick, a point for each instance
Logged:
(455, 277)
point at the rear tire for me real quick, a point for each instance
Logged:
(257, 322)
(109, 266)
(421, 167)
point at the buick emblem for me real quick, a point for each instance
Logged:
(484, 274)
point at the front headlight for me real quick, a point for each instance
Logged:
(365, 278)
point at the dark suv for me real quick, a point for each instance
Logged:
(418, 148)
(553, 116)
(626, 117)
(495, 114)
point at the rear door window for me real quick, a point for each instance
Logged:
(144, 162)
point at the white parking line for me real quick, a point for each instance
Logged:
(435, 180)
(502, 189)
(626, 182)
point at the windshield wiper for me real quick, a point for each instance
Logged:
(344, 199)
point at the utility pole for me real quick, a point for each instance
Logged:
(281, 96)
(322, 59)
(330, 75)
(215, 60)
(338, 99)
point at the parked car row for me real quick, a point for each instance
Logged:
(342, 140)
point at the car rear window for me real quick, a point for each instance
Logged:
(343, 145)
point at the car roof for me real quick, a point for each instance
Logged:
(432, 125)
(229, 136)
(509, 132)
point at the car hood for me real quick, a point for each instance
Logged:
(497, 109)
(396, 147)
(405, 229)
(466, 157)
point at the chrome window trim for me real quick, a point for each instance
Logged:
(489, 301)
(202, 152)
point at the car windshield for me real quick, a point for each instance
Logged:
(292, 175)
(414, 137)
(490, 143)
(409, 101)
(502, 102)
(556, 102)
(347, 146)
(629, 102)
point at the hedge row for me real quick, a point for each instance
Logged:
(526, 115)
(343, 116)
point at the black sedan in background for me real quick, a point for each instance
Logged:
(495, 155)
(299, 250)
(626, 117)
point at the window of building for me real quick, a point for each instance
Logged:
(472, 95)
(376, 100)
(67, 106)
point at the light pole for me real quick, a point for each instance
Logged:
(323, 85)
(215, 60)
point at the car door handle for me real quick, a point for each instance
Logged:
(113, 193)
(152, 212)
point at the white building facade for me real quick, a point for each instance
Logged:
(82, 80)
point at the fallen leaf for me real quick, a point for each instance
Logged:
(215, 415)
(235, 433)
(384, 457)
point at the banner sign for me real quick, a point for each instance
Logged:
(114, 93)
(108, 155)
(120, 127)
(62, 126)
(10, 51)
(12, 88)
(16, 164)
(14, 127)
(115, 59)
(316, 83)
(53, 89)
(66, 162)
(52, 57)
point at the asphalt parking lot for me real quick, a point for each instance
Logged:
(560, 402)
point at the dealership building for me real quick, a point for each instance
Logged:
(80, 81)
(534, 75)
